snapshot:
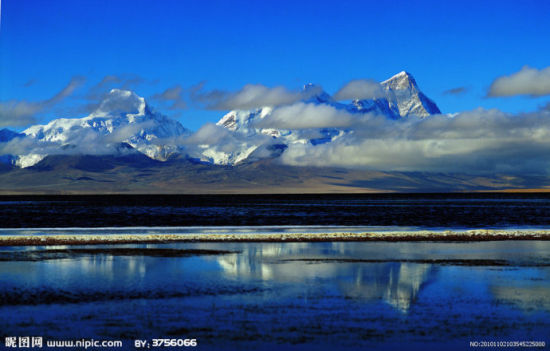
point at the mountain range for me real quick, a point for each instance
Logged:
(125, 118)
(127, 146)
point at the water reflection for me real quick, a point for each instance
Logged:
(325, 294)
(394, 274)
(396, 283)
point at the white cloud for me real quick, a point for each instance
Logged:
(251, 96)
(528, 81)
(209, 134)
(100, 91)
(212, 134)
(18, 113)
(173, 96)
(80, 141)
(215, 143)
(472, 142)
(360, 89)
(85, 141)
(21, 113)
(304, 116)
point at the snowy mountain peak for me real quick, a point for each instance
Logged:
(400, 81)
(404, 94)
(122, 117)
(400, 98)
(241, 119)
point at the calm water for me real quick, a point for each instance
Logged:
(277, 296)
(281, 296)
(416, 210)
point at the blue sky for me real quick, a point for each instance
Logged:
(227, 44)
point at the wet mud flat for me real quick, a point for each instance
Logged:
(424, 295)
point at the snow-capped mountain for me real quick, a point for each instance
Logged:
(240, 121)
(122, 117)
(402, 99)
(403, 93)
(124, 123)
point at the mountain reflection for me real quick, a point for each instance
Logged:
(395, 275)
(396, 283)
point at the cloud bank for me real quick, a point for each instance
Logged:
(18, 113)
(474, 142)
(528, 81)
(99, 92)
(478, 141)
(251, 96)
(306, 116)
(173, 96)
(81, 141)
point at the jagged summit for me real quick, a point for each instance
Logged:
(402, 80)
(403, 93)
(402, 99)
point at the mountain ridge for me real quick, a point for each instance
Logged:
(108, 174)
(123, 117)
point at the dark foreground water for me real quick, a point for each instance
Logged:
(281, 296)
(419, 210)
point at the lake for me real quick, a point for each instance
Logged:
(279, 296)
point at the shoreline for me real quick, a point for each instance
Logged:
(423, 235)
